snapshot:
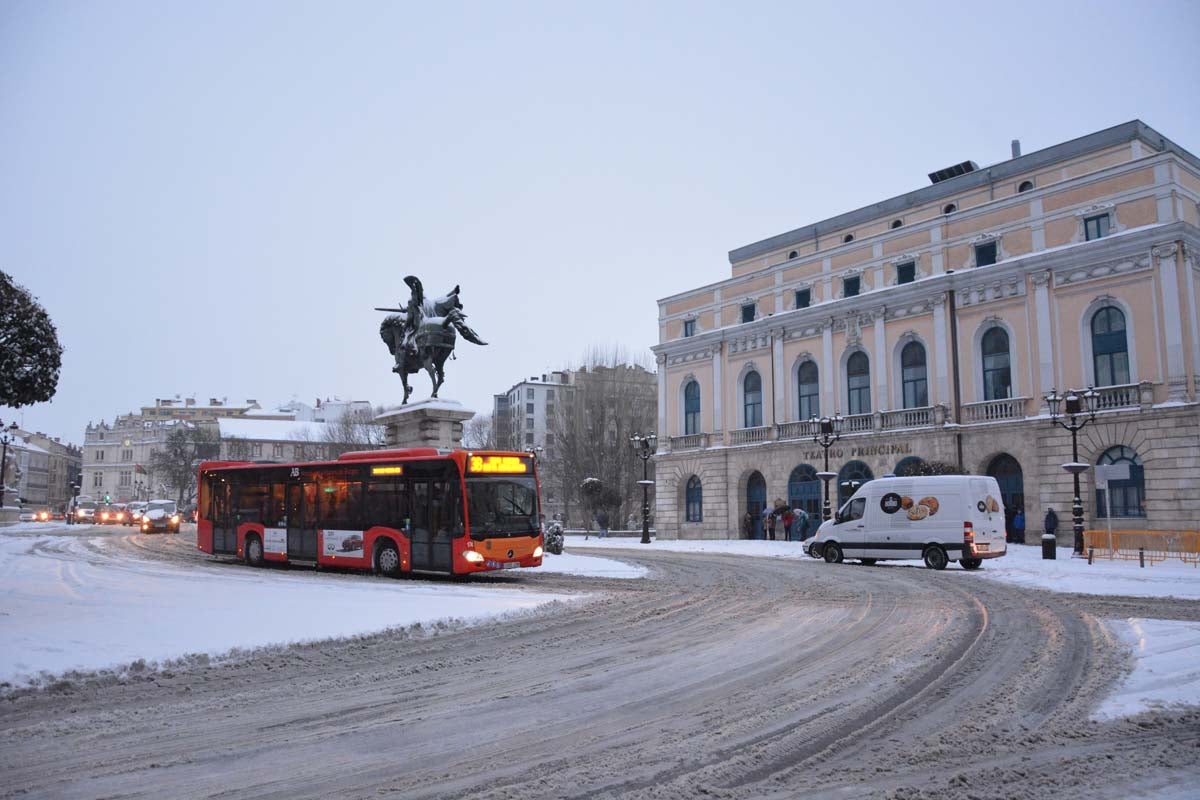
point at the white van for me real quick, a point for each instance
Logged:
(939, 518)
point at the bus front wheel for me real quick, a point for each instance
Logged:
(388, 560)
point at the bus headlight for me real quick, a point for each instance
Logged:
(537, 551)
(473, 557)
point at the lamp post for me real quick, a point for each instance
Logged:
(644, 447)
(825, 431)
(5, 437)
(73, 505)
(1081, 408)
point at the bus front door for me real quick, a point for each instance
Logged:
(224, 527)
(301, 511)
(429, 535)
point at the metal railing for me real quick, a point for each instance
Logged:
(750, 435)
(908, 418)
(994, 410)
(692, 441)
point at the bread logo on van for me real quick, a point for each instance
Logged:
(925, 508)
(993, 505)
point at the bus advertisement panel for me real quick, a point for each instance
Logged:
(388, 511)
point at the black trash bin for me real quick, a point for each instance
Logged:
(1049, 546)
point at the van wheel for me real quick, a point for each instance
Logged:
(254, 552)
(814, 550)
(833, 553)
(388, 560)
(971, 563)
(935, 557)
(867, 562)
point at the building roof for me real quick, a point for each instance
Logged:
(1038, 159)
(272, 430)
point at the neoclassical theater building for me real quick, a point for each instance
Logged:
(936, 323)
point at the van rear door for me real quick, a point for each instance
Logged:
(988, 516)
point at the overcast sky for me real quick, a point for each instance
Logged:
(209, 198)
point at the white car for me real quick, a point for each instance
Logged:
(938, 519)
(27, 515)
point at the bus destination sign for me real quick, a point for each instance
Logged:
(498, 465)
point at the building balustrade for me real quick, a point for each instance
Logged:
(859, 423)
(1129, 395)
(994, 410)
(750, 435)
(794, 430)
(908, 418)
(693, 441)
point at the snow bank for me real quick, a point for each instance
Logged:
(1167, 671)
(589, 566)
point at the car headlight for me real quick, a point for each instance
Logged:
(537, 551)
(473, 557)
(175, 519)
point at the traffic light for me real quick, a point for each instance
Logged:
(107, 499)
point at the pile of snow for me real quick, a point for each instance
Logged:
(1167, 670)
(589, 566)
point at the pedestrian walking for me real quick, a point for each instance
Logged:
(1051, 522)
(602, 523)
(748, 525)
(802, 523)
(789, 519)
(762, 528)
(1019, 526)
(771, 519)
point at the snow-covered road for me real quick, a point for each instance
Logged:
(80, 597)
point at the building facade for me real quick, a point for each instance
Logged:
(63, 466)
(936, 323)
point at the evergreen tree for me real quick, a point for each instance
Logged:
(30, 355)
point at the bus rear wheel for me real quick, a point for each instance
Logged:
(388, 560)
(254, 552)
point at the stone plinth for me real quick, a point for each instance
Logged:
(429, 423)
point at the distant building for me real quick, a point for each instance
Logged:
(244, 439)
(521, 416)
(28, 473)
(117, 457)
(936, 322)
(64, 463)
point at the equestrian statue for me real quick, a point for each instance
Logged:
(422, 334)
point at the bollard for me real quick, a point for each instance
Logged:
(1091, 555)
(1142, 556)
(1049, 546)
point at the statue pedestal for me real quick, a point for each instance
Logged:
(428, 423)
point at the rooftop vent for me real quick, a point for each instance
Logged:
(953, 172)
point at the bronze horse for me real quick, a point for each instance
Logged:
(423, 334)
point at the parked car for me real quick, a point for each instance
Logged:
(134, 513)
(161, 516)
(112, 514)
(27, 515)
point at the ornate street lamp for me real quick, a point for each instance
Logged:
(5, 437)
(825, 431)
(1081, 408)
(644, 447)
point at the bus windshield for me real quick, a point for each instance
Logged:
(502, 506)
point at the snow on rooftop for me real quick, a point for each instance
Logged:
(272, 430)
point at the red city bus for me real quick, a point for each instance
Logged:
(389, 511)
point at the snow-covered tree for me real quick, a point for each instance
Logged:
(30, 355)
(176, 462)
(479, 433)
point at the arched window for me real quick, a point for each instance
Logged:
(997, 375)
(694, 500)
(858, 383)
(1110, 348)
(1128, 496)
(897, 223)
(1025, 186)
(691, 408)
(908, 466)
(848, 238)
(949, 208)
(810, 401)
(752, 400)
(792, 254)
(850, 477)
(913, 375)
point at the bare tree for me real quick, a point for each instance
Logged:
(612, 397)
(175, 464)
(479, 432)
(354, 430)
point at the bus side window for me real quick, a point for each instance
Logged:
(276, 516)
(386, 503)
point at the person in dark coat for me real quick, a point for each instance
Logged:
(602, 523)
(1051, 522)
(1019, 526)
